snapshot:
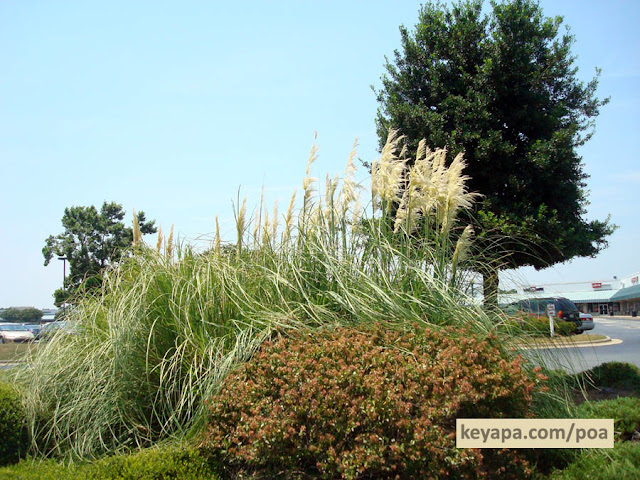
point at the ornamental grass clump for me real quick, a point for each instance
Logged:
(171, 321)
(368, 403)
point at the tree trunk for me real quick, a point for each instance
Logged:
(490, 283)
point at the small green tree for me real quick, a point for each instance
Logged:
(21, 315)
(502, 88)
(92, 240)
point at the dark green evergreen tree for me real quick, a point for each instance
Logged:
(92, 240)
(502, 87)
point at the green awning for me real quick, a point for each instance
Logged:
(627, 293)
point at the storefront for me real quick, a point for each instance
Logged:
(629, 300)
(615, 296)
(595, 302)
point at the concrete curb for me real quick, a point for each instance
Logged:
(583, 343)
(602, 340)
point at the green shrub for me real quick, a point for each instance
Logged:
(14, 439)
(563, 328)
(615, 375)
(535, 325)
(620, 463)
(368, 404)
(153, 464)
(32, 469)
(624, 410)
(557, 402)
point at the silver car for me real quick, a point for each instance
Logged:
(15, 332)
(586, 320)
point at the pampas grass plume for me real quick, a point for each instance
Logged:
(137, 235)
(159, 242)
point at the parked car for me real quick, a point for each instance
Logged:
(15, 332)
(50, 329)
(34, 328)
(565, 309)
(587, 322)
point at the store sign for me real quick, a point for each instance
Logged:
(634, 280)
(601, 286)
(534, 289)
(595, 286)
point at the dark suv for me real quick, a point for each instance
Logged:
(565, 309)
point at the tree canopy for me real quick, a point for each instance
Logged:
(502, 87)
(23, 314)
(92, 240)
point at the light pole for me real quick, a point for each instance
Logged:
(64, 276)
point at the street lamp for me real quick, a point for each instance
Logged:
(64, 276)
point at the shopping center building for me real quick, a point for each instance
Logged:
(617, 296)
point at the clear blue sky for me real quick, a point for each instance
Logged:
(170, 107)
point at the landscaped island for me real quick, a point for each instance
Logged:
(338, 341)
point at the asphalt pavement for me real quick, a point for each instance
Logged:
(623, 347)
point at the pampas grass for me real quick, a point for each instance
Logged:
(167, 328)
(170, 243)
(160, 240)
(137, 234)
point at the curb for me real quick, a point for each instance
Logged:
(566, 345)
(602, 340)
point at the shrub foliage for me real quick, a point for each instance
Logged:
(615, 375)
(151, 464)
(624, 410)
(368, 403)
(13, 427)
(534, 325)
(621, 463)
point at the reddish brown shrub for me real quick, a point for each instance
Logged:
(372, 404)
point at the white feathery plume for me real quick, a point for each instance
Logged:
(288, 220)
(461, 250)
(137, 235)
(241, 223)
(170, 243)
(216, 245)
(462, 245)
(308, 180)
(256, 230)
(159, 242)
(274, 221)
(455, 195)
(350, 190)
(387, 174)
(266, 229)
(331, 186)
